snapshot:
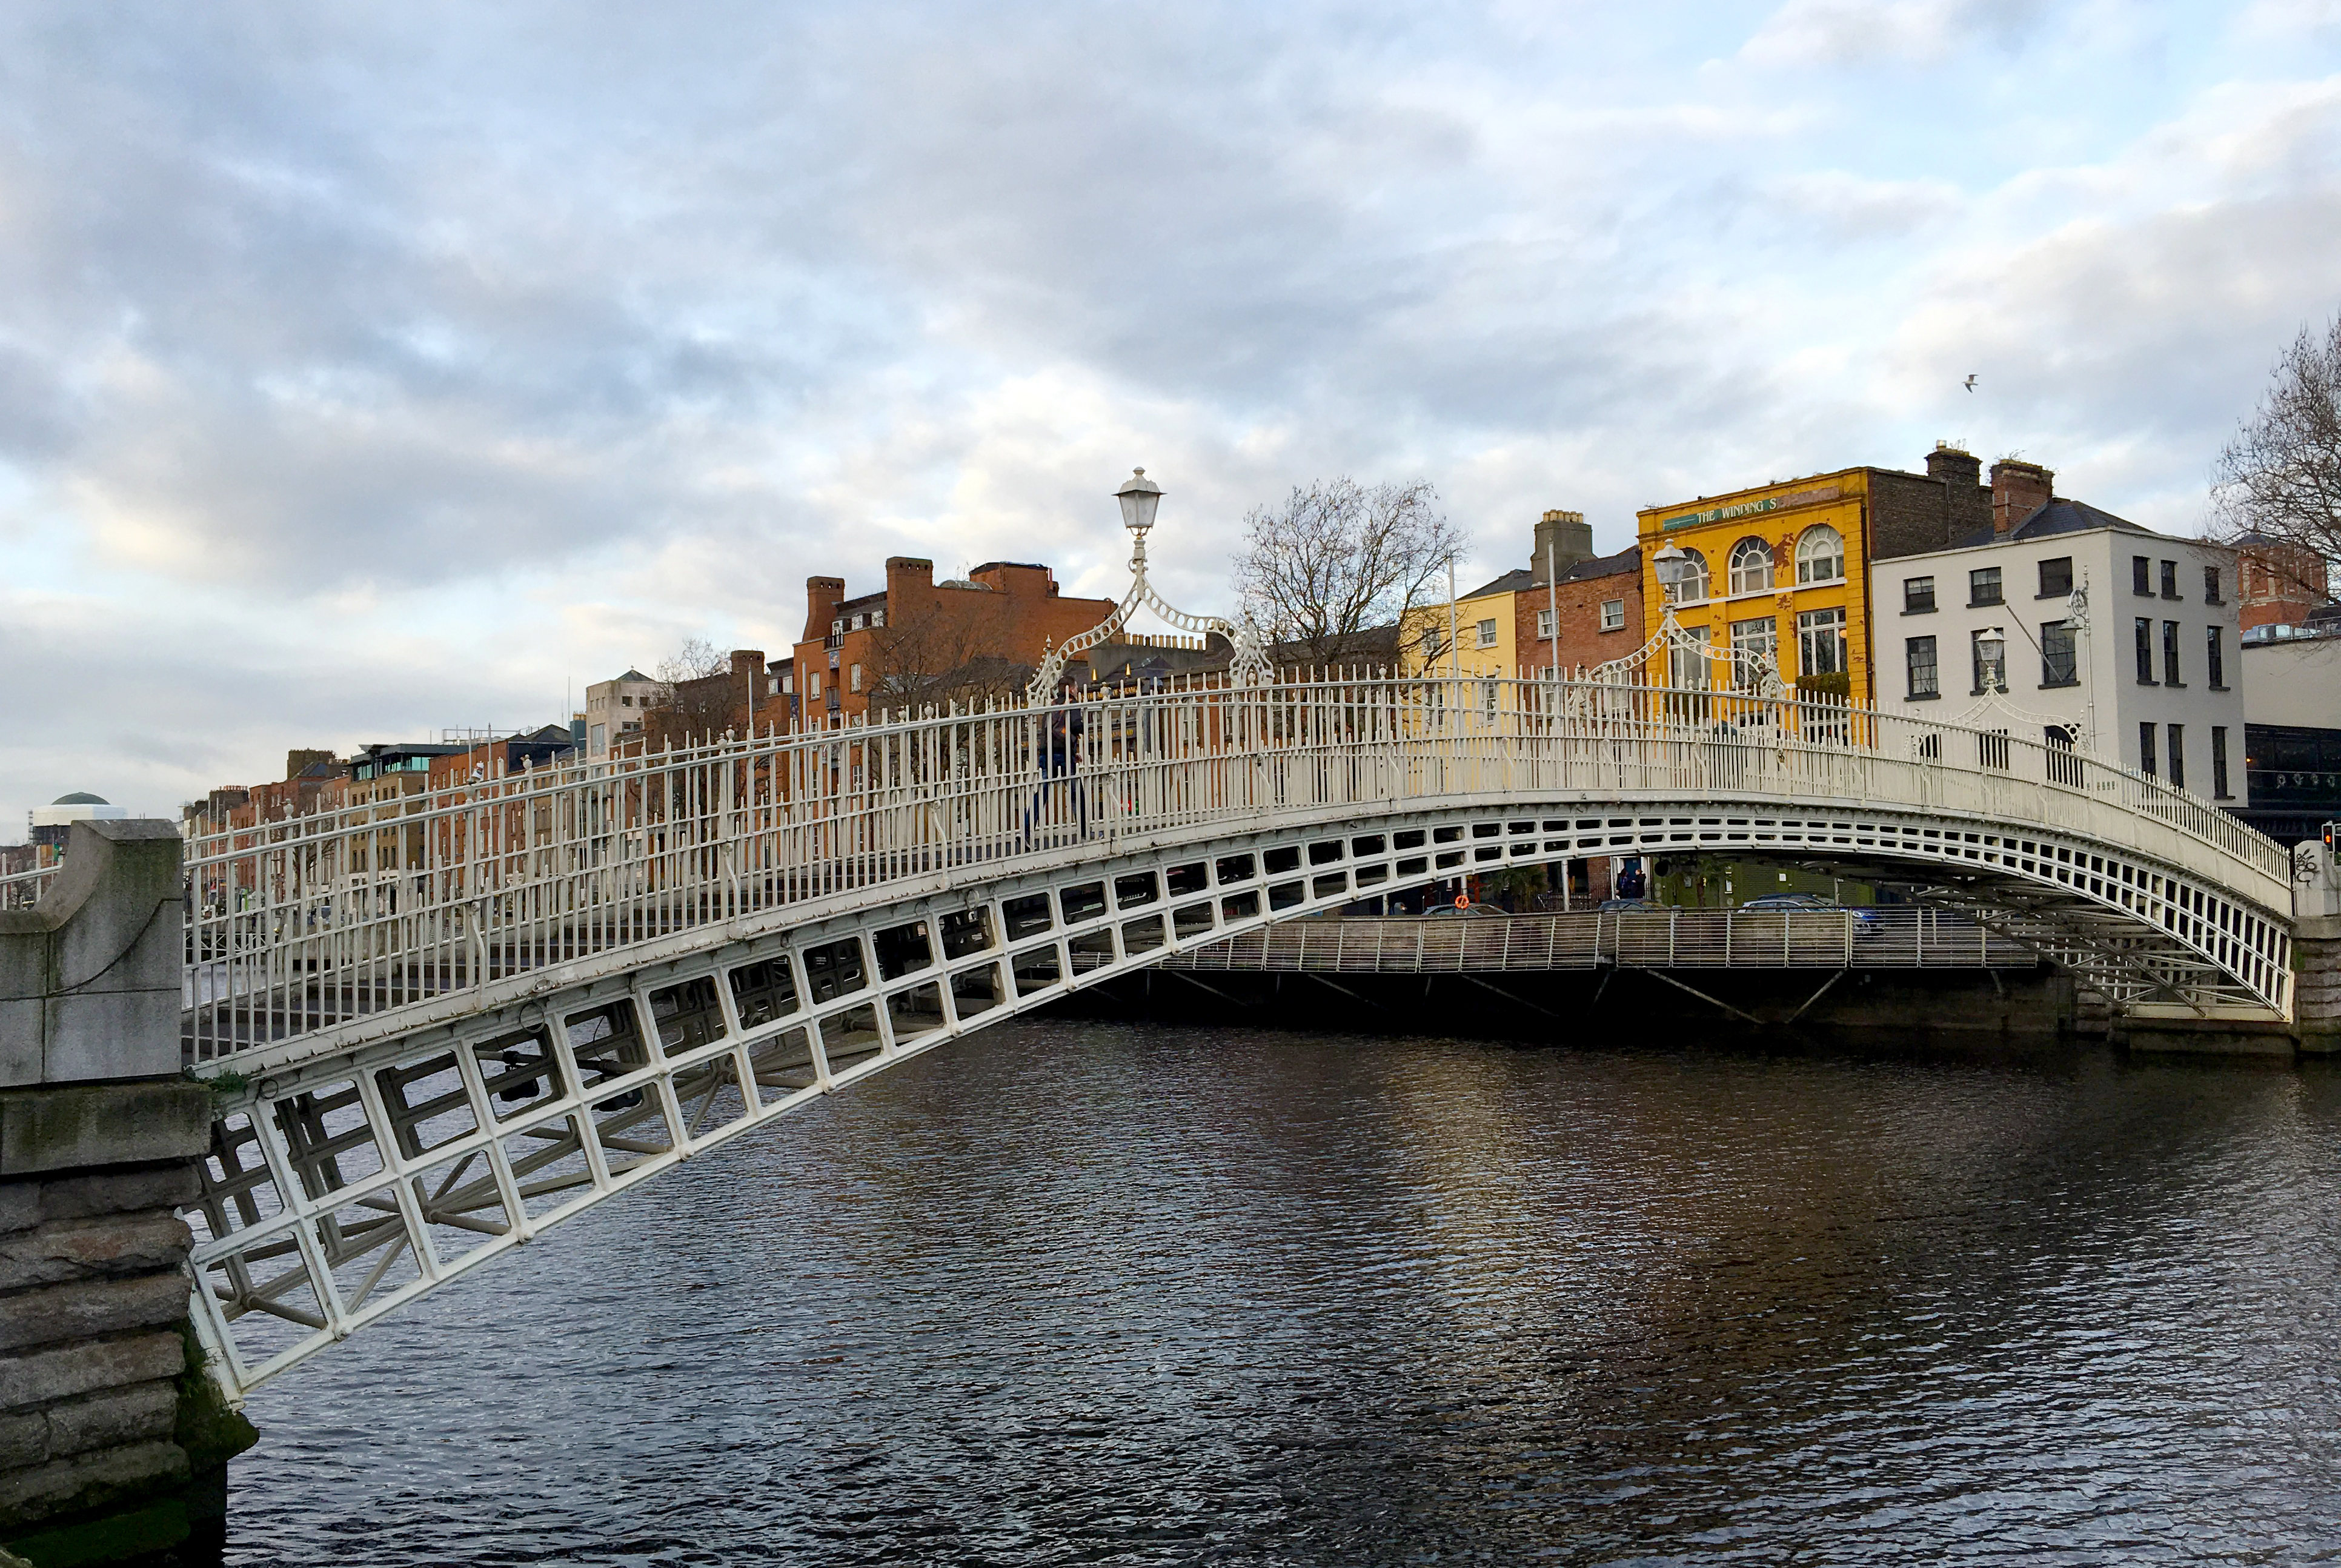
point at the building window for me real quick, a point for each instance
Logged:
(1992, 671)
(626, 701)
(2057, 577)
(2215, 658)
(877, 617)
(1754, 646)
(1486, 634)
(1751, 566)
(2141, 576)
(2142, 635)
(1613, 615)
(1918, 656)
(2059, 666)
(2219, 762)
(2211, 585)
(1821, 555)
(1488, 698)
(1820, 641)
(2170, 654)
(2174, 743)
(1918, 596)
(1687, 667)
(812, 683)
(1690, 583)
(1544, 626)
(2145, 750)
(855, 677)
(836, 628)
(2170, 579)
(2064, 768)
(1434, 641)
(1983, 586)
(599, 738)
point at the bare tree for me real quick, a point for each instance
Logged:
(695, 660)
(957, 649)
(2280, 478)
(700, 697)
(1338, 558)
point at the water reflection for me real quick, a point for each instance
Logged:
(1082, 1292)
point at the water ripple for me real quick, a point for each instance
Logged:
(1075, 1293)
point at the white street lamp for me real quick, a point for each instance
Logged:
(1667, 563)
(1991, 648)
(1138, 497)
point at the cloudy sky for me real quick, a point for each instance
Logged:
(366, 370)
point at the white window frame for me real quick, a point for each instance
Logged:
(1613, 615)
(1751, 567)
(1809, 559)
(1486, 632)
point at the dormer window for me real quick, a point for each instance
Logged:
(836, 628)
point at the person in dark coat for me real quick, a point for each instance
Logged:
(1062, 728)
(1631, 884)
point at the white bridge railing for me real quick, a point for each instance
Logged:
(307, 925)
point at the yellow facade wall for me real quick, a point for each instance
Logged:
(1499, 660)
(1781, 516)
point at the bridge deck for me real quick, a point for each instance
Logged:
(1886, 938)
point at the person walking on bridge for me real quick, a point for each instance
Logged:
(1062, 728)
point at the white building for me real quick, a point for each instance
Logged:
(614, 709)
(2152, 677)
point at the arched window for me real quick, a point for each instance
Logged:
(1690, 578)
(1821, 555)
(1751, 566)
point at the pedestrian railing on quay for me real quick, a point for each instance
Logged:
(23, 889)
(1886, 937)
(309, 923)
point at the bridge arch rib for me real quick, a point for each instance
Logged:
(346, 1182)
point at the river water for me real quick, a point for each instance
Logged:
(1079, 1293)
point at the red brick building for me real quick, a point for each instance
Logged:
(1590, 614)
(923, 641)
(2278, 584)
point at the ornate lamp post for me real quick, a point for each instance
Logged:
(1140, 496)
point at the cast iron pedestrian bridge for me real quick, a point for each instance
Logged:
(438, 1023)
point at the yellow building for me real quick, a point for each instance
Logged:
(1781, 570)
(1483, 621)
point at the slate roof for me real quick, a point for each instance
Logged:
(1630, 559)
(2059, 516)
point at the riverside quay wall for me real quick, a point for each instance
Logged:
(114, 1443)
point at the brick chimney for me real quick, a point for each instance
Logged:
(909, 588)
(1948, 463)
(2017, 490)
(822, 596)
(1568, 537)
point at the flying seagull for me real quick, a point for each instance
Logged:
(1970, 383)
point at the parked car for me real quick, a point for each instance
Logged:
(1618, 905)
(1815, 901)
(1464, 912)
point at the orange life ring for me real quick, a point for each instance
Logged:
(1463, 901)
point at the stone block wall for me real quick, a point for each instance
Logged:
(111, 1439)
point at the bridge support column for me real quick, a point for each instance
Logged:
(114, 1443)
(2316, 948)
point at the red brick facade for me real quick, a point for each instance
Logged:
(1582, 592)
